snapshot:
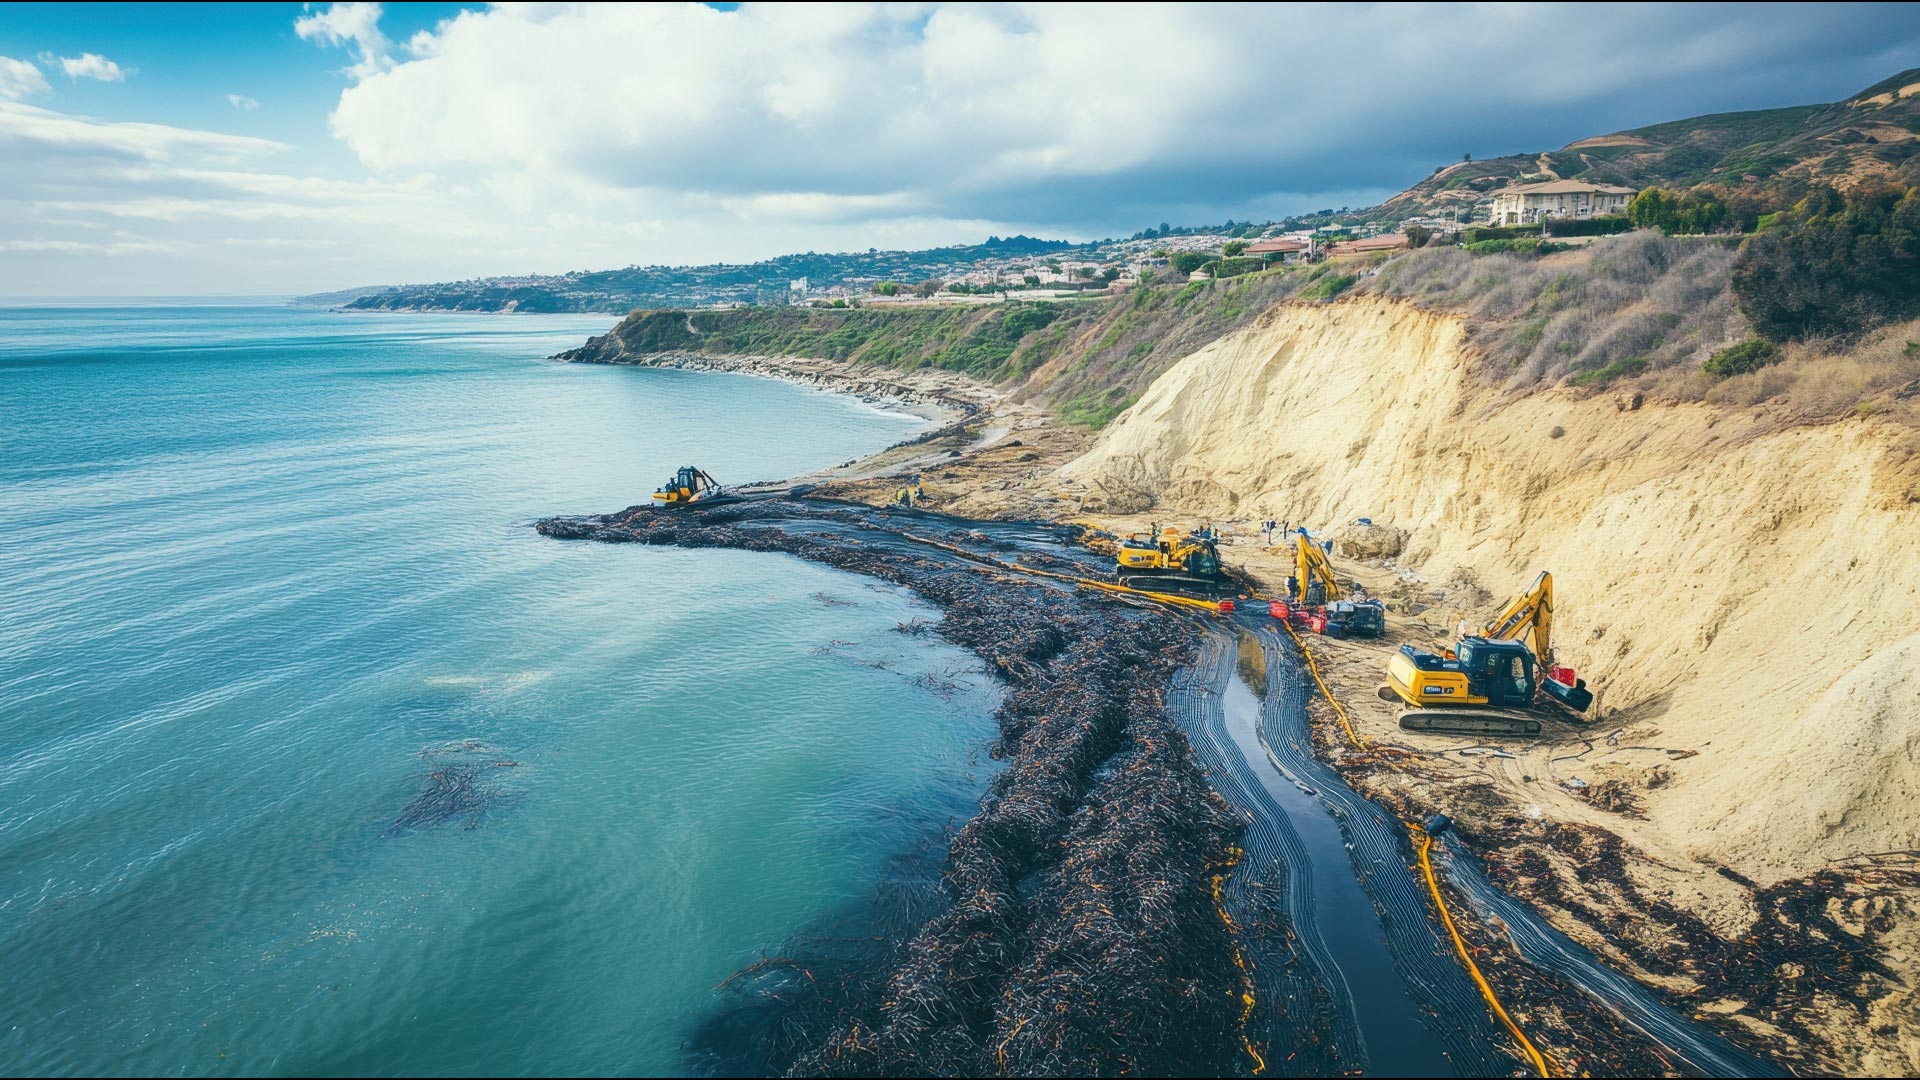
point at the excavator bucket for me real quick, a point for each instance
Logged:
(1575, 696)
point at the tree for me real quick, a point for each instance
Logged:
(1111, 273)
(1833, 264)
(1418, 235)
(887, 288)
(1188, 261)
(1033, 281)
(1698, 212)
(1468, 156)
(927, 288)
(1233, 247)
(1653, 208)
(1085, 273)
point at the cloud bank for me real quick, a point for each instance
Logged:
(550, 137)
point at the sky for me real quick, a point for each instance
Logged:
(178, 149)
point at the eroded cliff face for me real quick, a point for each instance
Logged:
(1727, 579)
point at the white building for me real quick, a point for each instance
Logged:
(1528, 203)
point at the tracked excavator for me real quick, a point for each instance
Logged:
(1318, 603)
(691, 484)
(1172, 561)
(1493, 682)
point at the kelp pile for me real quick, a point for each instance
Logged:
(1078, 933)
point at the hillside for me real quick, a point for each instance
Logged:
(1088, 359)
(1875, 132)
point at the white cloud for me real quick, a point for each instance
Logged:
(554, 137)
(1083, 115)
(25, 129)
(95, 66)
(242, 102)
(19, 79)
(355, 26)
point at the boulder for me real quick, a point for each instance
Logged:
(1374, 541)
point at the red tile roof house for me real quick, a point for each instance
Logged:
(1281, 249)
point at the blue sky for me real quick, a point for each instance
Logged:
(273, 148)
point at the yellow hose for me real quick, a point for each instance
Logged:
(1541, 1065)
(1539, 1061)
(1338, 709)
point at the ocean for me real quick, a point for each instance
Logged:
(315, 759)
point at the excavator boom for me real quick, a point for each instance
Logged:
(1492, 673)
(1314, 583)
(1529, 615)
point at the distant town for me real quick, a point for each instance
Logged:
(1002, 268)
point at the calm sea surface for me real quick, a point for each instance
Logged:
(315, 759)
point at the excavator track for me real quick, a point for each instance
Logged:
(1201, 588)
(1468, 722)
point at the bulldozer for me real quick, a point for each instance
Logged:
(1171, 561)
(1493, 682)
(691, 484)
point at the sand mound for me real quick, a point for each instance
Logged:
(1730, 583)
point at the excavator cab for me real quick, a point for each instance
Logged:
(1499, 671)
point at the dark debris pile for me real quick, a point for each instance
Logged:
(1079, 935)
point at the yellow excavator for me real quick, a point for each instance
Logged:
(1491, 681)
(1315, 601)
(1312, 582)
(1171, 560)
(690, 484)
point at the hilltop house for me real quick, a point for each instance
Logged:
(1282, 248)
(1527, 203)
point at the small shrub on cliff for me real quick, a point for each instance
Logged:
(1329, 287)
(1739, 359)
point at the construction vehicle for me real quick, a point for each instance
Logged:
(1355, 618)
(1312, 583)
(1171, 561)
(1490, 681)
(1316, 601)
(691, 484)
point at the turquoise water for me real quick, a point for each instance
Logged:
(263, 572)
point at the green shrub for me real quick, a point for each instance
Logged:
(1619, 369)
(1739, 359)
(1520, 246)
(1095, 409)
(1226, 268)
(1188, 261)
(1834, 264)
(1329, 287)
(1604, 225)
(1499, 232)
